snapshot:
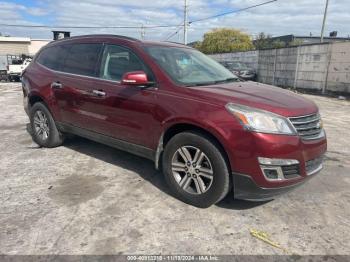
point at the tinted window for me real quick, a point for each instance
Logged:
(52, 57)
(82, 59)
(117, 61)
(187, 66)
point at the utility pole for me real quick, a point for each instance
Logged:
(185, 22)
(143, 32)
(324, 20)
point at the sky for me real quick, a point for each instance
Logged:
(299, 17)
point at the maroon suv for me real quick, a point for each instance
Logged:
(209, 132)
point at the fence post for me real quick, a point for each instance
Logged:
(274, 68)
(329, 58)
(296, 68)
(257, 65)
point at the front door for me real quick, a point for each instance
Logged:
(125, 112)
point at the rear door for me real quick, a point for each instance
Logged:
(45, 76)
(74, 84)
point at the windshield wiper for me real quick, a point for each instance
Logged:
(201, 84)
(227, 80)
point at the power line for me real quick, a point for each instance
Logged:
(176, 32)
(142, 27)
(173, 34)
(88, 27)
(231, 12)
(218, 15)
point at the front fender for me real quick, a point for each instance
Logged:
(219, 130)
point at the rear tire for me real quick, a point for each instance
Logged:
(43, 127)
(195, 169)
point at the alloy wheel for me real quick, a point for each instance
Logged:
(41, 125)
(192, 170)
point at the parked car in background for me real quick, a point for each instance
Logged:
(15, 69)
(209, 132)
(3, 75)
(3, 68)
(240, 69)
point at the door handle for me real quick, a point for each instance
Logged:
(56, 85)
(98, 93)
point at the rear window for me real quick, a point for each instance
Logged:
(82, 59)
(53, 57)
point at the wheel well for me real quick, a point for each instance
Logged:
(35, 99)
(179, 128)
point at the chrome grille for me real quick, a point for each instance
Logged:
(308, 127)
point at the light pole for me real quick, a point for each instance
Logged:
(143, 32)
(185, 23)
(324, 20)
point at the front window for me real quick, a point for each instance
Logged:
(117, 60)
(190, 67)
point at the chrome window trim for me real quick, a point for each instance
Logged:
(94, 77)
(70, 74)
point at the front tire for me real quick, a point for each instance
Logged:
(43, 127)
(195, 169)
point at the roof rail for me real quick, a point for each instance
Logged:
(100, 35)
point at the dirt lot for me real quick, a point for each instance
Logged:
(86, 198)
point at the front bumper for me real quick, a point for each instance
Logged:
(251, 182)
(247, 77)
(246, 189)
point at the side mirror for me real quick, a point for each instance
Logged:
(136, 78)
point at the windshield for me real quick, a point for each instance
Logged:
(190, 67)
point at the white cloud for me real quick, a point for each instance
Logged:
(282, 17)
(36, 11)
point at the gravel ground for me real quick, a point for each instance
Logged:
(87, 198)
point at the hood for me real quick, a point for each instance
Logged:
(257, 95)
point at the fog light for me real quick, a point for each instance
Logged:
(271, 173)
(272, 167)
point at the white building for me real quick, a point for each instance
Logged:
(21, 45)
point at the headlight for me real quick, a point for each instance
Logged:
(261, 121)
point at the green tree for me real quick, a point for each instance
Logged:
(262, 41)
(225, 40)
(278, 44)
(296, 42)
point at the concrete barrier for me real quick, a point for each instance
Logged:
(321, 67)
